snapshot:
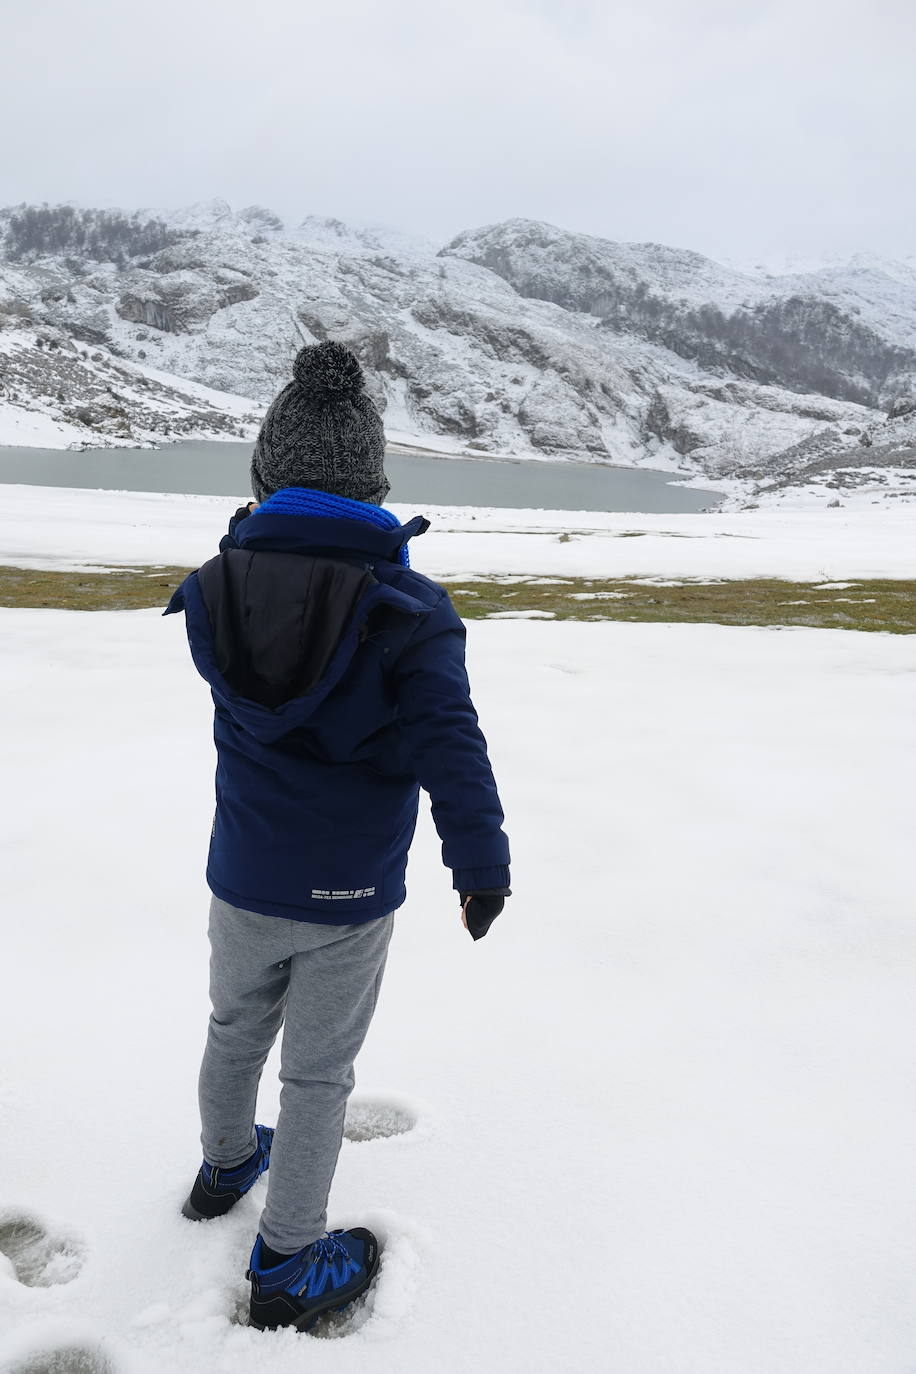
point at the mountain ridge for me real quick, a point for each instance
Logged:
(512, 338)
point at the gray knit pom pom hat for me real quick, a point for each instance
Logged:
(322, 431)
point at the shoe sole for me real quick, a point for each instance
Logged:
(330, 1304)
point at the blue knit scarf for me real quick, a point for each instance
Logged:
(306, 501)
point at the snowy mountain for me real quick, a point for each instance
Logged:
(516, 338)
(848, 333)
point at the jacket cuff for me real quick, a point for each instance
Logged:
(479, 879)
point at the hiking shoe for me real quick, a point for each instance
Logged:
(216, 1190)
(327, 1274)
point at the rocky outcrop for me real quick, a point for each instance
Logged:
(260, 220)
(150, 309)
(177, 302)
(234, 292)
(662, 424)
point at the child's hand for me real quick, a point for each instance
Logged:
(479, 910)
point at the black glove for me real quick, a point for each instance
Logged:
(482, 909)
(228, 541)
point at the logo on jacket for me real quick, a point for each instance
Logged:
(321, 894)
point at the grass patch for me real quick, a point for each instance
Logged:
(861, 605)
(110, 589)
(866, 604)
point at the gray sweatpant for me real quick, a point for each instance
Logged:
(320, 983)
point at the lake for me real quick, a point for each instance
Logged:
(221, 469)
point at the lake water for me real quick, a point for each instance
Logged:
(221, 469)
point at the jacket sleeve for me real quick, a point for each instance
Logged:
(449, 753)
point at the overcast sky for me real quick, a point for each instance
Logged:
(783, 126)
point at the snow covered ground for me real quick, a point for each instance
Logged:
(862, 488)
(55, 527)
(661, 1121)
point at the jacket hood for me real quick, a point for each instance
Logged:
(274, 621)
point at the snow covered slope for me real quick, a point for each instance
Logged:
(57, 393)
(516, 338)
(848, 332)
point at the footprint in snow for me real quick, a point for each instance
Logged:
(372, 1118)
(385, 1306)
(67, 1359)
(39, 1259)
(334, 1326)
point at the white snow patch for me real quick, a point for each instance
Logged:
(723, 1182)
(34, 428)
(60, 527)
(599, 596)
(521, 615)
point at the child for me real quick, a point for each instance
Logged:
(339, 684)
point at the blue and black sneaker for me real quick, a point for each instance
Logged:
(326, 1275)
(216, 1190)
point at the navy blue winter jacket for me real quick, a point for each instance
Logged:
(339, 684)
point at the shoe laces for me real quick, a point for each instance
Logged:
(328, 1248)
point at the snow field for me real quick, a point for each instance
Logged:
(660, 1120)
(70, 528)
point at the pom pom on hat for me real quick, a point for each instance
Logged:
(327, 373)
